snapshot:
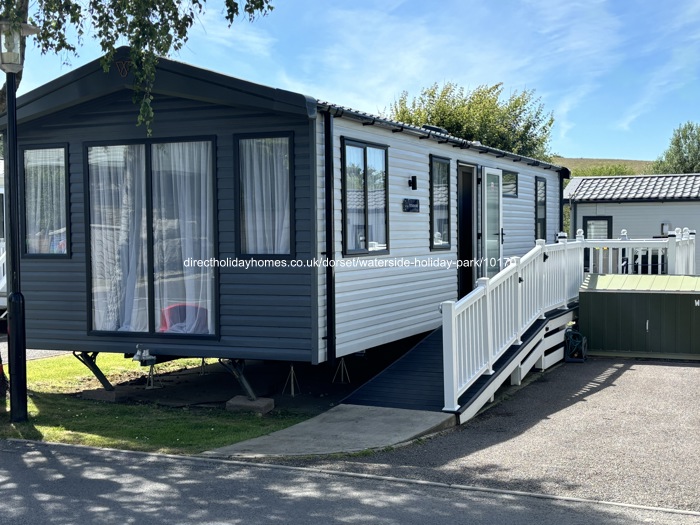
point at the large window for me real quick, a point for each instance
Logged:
(151, 257)
(364, 198)
(439, 203)
(45, 203)
(540, 208)
(265, 195)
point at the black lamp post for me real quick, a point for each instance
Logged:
(11, 62)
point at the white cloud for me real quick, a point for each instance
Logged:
(367, 54)
(580, 44)
(675, 47)
(213, 36)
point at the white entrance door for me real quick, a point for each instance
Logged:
(492, 231)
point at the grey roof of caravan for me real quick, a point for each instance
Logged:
(634, 188)
(438, 134)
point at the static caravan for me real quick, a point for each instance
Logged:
(254, 223)
(647, 206)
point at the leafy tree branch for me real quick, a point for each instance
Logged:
(151, 28)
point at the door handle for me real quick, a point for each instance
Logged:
(503, 236)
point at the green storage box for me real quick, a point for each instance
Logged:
(641, 315)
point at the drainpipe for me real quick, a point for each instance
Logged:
(330, 235)
(564, 173)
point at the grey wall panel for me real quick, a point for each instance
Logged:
(262, 313)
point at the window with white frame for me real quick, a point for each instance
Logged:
(147, 258)
(45, 203)
(365, 217)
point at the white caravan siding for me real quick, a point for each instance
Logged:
(377, 305)
(519, 212)
(642, 220)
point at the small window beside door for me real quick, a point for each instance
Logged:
(439, 203)
(540, 208)
(510, 184)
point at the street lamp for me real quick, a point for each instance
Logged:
(11, 62)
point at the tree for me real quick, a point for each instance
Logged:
(152, 29)
(683, 152)
(518, 124)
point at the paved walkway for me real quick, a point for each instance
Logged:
(344, 428)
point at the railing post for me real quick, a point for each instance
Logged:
(580, 238)
(623, 252)
(541, 275)
(518, 300)
(563, 238)
(671, 253)
(449, 356)
(488, 315)
(691, 255)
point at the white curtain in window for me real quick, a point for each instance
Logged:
(118, 238)
(265, 196)
(45, 200)
(183, 233)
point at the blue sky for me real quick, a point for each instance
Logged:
(618, 75)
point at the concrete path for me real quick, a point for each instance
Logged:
(344, 428)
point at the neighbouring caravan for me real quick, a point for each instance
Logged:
(254, 223)
(646, 206)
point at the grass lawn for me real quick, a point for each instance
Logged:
(57, 414)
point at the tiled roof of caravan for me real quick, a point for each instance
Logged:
(634, 188)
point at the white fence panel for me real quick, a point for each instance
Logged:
(478, 328)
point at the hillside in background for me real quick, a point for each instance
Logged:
(636, 167)
(598, 168)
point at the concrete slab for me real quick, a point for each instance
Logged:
(261, 405)
(344, 428)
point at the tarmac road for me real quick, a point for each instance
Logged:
(613, 430)
(60, 484)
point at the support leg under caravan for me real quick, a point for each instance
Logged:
(90, 360)
(235, 366)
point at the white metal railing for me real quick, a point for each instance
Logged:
(480, 327)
